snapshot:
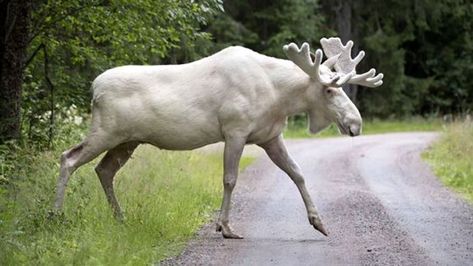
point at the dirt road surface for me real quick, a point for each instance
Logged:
(379, 201)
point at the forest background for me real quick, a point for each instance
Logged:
(52, 50)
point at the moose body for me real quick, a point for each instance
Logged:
(182, 107)
(236, 95)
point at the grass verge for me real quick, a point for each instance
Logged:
(374, 126)
(452, 158)
(166, 196)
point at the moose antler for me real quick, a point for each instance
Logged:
(321, 72)
(339, 57)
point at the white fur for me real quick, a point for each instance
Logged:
(236, 95)
(187, 106)
(192, 105)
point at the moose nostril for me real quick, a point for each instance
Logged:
(354, 130)
(351, 133)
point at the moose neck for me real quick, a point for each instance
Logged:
(294, 87)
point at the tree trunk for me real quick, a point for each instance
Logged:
(342, 17)
(14, 21)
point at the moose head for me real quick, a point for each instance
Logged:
(332, 104)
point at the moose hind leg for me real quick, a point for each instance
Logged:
(113, 160)
(72, 159)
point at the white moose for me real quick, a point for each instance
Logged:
(236, 95)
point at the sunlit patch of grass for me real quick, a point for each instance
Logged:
(452, 158)
(370, 126)
(166, 196)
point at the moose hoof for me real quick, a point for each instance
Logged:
(317, 224)
(231, 235)
(227, 232)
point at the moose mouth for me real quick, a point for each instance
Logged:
(345, 130)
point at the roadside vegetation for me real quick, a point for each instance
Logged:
(166, 196)
(51, 52)
(298, 128)
(452, 158)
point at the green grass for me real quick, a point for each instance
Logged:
(452, 158)
(300, 130)
(166, 196)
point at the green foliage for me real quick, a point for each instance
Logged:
(266, 26)
(425, 50)
(452, 158)
(84, 38)
(166, 196)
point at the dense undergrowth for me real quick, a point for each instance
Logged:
(452, 158)
(166, 196)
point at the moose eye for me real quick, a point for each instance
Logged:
(329, 92)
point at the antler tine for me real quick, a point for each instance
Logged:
(368, 79)
(346, 66)
(301, 57)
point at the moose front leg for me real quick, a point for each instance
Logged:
(232, 154)
(277, 151)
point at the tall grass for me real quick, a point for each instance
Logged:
(452, 158)
(166, 196)
(372, 126)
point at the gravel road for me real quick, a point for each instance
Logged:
(379, 201)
